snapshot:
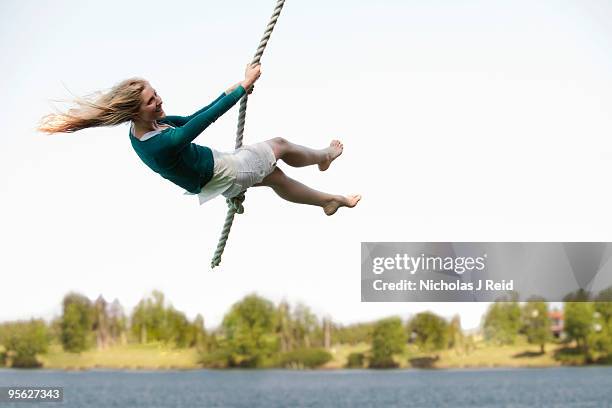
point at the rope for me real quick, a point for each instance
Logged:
(235, 203)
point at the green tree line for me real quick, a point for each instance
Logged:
(255, 332)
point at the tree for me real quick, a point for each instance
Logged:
(456, 339)
(353, 334)
(579, 319)
(155, 316)
(117, 323)
(76, 324)
(179, 330)
(536, 323)
(603, 304)
(200, 337)
(304, 324)
(502, 322)
(23, 340)
(249, 329)
(284, 327)
(55, 329)
(388, 339)
(148, 318)
(602, 339)
(139, 321)
(327, 329)
(101, 323)
(154, 320)
(429, 331)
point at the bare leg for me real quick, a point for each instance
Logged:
(299, 156)
(296, 192)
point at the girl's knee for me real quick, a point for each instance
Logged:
(281, 141)
(279, 146)
(277, 175)
(273, 179)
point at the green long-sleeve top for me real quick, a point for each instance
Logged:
(172, 154)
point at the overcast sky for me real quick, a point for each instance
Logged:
(461, 121)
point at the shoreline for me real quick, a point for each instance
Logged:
(152, 369)
(159, 357)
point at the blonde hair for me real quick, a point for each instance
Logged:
(120, 104)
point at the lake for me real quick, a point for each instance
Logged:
(546, 387)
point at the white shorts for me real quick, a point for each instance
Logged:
(253, 163)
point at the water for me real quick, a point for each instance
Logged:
(548, 387)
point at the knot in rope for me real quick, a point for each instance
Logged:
(235, 203)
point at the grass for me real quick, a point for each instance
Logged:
(130, 356)
(499, 356)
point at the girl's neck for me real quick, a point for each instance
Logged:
(144, 127)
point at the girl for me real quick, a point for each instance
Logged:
(164, 144)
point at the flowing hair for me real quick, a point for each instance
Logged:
(120, 104)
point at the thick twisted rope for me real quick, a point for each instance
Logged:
(235, 203)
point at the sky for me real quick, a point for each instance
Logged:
(461, 121)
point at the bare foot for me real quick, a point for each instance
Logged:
(341, 201)
(333, 151)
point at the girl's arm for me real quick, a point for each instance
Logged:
(184, 135)
(181, 120)
(251, 75)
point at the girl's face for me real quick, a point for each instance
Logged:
(151, 105)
